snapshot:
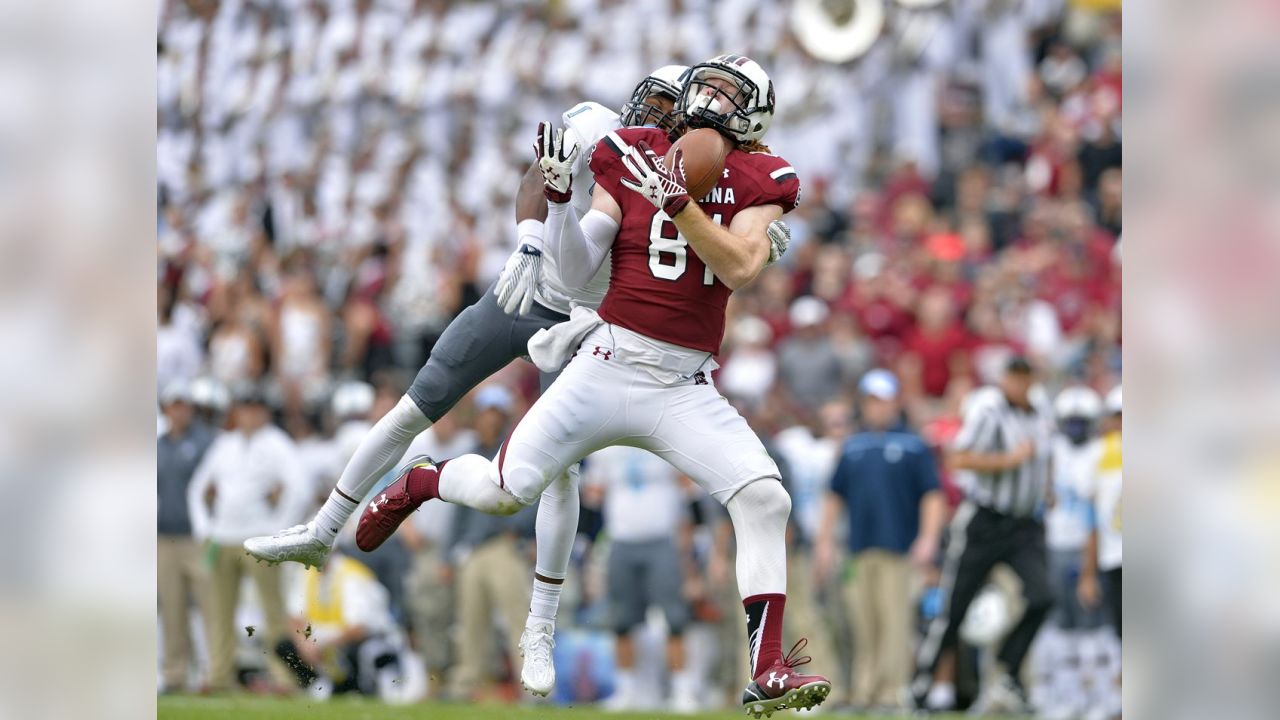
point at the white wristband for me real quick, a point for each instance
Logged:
(529, 232)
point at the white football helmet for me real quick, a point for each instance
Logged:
(1081, 402)
(987, 619)
(742, 112)
(667, 81)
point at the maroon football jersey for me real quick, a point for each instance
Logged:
(659, 286)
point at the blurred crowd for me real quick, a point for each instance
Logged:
(336, 184)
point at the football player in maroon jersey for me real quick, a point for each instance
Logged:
(641, 372)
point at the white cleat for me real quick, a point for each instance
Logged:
(620, 701)
(684, 702)
(297, 544)
(538, 675)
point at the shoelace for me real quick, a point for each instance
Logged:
(792, 660)
(540, 646)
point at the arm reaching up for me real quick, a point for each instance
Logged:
(523, 271)
(578, 247)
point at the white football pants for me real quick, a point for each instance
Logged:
(601, 399)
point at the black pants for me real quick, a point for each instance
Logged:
(1112, 591)
(980, 539)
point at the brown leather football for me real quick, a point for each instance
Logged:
(705, 151)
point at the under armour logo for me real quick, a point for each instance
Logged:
(726, 172)
(775, 678)
(373, 506)
(606, 354)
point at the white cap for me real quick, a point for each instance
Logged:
(351, 399)
(751, 330)
(175, 391)
(808, 311)
(879, 383)
(209, 392)
(494, 396)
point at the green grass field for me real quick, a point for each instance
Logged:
(254, 708)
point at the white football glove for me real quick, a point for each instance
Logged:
(779, 239)
(663, 187)
(555, 163)
(519, 280)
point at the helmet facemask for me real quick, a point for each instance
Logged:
(727, 109)
(1076, 428)
(638, 112)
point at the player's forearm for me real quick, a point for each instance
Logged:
(530, 202)
(736, 260)
(830, 512)
(933, 514)
(981, 462)
(579, 248)
(1089, 556)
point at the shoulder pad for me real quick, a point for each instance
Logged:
(590, 121)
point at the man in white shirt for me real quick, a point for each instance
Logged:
(247, 484)
(644, 513)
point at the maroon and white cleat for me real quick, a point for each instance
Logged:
(390, 507)
(780, 687)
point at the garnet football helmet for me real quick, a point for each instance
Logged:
(667, 81)
(742, 111)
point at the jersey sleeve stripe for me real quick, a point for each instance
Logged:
(615, 143)
(783, 174)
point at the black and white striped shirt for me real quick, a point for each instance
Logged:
(992, 425)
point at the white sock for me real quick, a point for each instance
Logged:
(472, 480)
(544, 603)
(942, 696)
(332, 516)
(382, 447)
(625, 681)
(682, 682)
(759, 513)
(555, 529)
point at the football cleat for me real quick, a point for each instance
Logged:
(780, 687)
(389, 508)
(297, 544)
(538, 675)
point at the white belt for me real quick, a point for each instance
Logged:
(665, 361)
(550, 348)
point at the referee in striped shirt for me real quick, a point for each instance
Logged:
(1002, 450)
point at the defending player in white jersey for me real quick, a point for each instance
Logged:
(1069, 646)
(479, 342)
(640, 374)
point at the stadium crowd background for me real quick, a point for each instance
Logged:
(336, 184)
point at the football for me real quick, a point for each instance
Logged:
(705, 151)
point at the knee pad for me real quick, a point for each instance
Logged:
(523, 482)
(764, 499)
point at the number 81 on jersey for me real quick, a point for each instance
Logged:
(664, 237)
